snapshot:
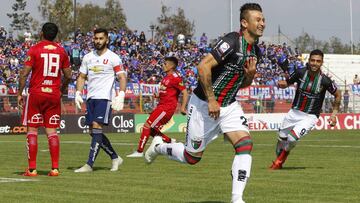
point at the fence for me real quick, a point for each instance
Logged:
(254, 99)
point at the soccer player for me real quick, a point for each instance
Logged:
(170, 88)
(99, 68)
(45, 60)
(312, 85)
(212, 108)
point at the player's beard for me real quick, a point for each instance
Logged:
(100, 47)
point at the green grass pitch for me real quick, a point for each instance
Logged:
(324, 167)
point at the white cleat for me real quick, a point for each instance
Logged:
(173, 140)
(116, 163)
(136, 154)
(151, 154)
(239, 201)
(84, 169)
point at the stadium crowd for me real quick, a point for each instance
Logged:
(143, 57)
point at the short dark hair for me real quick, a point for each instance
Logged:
(249, 7)
(49, 31)
(317, 52)
(172, 59)
(101, 30)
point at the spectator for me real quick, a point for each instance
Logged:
(356, 80)
(346, 98)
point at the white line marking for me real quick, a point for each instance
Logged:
(13, 180)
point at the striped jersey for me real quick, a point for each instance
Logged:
(231, 52)
(310, 91)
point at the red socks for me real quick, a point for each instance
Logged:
(32, 148)
(54, 147)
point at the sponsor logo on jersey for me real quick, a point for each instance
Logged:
(50, 47)
(46, 89)
(224, 47)
(96, 69)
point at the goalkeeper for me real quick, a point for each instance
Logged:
(99, 68)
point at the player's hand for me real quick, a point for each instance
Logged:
(282, 84)
(250, 66)
(118, 102)
(332, 120)
(214, 109)
(183, 111)
(20, 102)
(78, 99)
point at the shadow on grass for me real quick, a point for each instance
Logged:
(94, 168)
(20, 173)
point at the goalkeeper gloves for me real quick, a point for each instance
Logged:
(118, 102)
(78, 99)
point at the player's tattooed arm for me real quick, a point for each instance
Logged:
(24, 73)
(204, 70)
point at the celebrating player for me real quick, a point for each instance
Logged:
(170, 88)
(312, 85)
(98, 68)
(45, 60)
(213, 109)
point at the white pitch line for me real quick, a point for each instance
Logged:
(132, 144)
(13, 180)
(318, 146)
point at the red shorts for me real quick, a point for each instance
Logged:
(159, 117)
(42, 110)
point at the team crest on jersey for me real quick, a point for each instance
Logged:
(96, 69)
(28, 58)
(105, 61)
(50, 47)
(196, 143)
(224, 47)
(181, 83)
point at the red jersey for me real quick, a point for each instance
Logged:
(46, 59)
(170, 88)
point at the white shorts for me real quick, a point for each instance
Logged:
(301, 123)
(202, 129)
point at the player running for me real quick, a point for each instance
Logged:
(99, 68)
(170, 88)
(312, 85)
(213, 108)
(45, 60)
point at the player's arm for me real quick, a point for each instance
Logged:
(204, 70)
(184, 100)
(66, 80)
(118, 102)
(24, 73)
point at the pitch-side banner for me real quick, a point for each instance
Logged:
(119, 123)
(265, 93)
(269, 122)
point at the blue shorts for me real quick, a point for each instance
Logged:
(98, 110)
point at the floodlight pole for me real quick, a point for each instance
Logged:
(351, 29)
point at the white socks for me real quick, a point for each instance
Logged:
(240, 172)
(174, 151)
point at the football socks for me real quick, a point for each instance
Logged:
(32, 148)
(54, 148)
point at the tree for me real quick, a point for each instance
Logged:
(114, 14)
(177, 23)
(59, 12)
(20, 19)
(110, 16)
